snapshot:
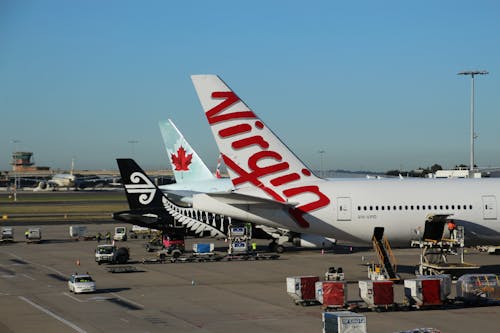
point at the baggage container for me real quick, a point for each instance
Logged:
(377, 293)
(302, 288)
(445, 283)
(476, 288)
(203, 248)
(331, 293)
(344, 322)
(238, 247)
(238, 231)
(423, 292)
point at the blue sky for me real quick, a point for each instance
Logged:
(372, 83)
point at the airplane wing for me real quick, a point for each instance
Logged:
(235, 199)
(251, 208)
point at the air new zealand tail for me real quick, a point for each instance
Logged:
(144, 199)
(149, 207)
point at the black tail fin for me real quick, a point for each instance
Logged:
(140, 190)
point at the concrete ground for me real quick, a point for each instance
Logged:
(247, 296)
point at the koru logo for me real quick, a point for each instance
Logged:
(147, 190)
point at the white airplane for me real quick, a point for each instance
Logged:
(273, 187)
(71, 180)
(193, 176)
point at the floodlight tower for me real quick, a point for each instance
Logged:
(472, 134)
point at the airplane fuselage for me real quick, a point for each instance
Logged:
(401, 206)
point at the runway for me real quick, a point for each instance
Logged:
(192, 297)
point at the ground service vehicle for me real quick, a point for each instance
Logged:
(120, 234)
(7, 234)
(34, 235)
(108, 253)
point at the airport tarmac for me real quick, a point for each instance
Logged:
(247, 296)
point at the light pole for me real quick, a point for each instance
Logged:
(133, 142)
(321, 152)
(15, 142)
(472, 134)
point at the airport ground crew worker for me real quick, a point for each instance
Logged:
(108, 237)
(451, 228)
(98, 237)
(26, 234)
(254, 246)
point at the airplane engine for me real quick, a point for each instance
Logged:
(313, 241)
(42, 186)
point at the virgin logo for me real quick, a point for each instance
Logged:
(241, 137)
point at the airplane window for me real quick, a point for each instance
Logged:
(400, 207)
(441, 207)
(418, 207)
(470, 206)
(458, 206)
(371, 207)
(382, 207)
(376, 207)
(452, 206)
(446, 206)
(359, 207)
(388, 207)
(406, 207)
(364, 207)
(411, 207)
(429, 207)
(394, 208)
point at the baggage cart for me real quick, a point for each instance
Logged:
(478, 288)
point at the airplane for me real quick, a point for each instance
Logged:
(71, 180)
(273, 187)
(192, 176)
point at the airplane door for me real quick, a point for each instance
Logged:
(344, 209)
(489, 207)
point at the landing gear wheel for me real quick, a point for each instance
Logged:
(279, 248)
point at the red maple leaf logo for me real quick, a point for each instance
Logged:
(181, 160)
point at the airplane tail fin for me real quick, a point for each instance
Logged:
(140, 190)
(253, 154)
(145, 197)
(185, 162)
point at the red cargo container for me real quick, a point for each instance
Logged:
(431, 292)
(302, 288)
(331, 293)
(423, 292)
(377, 293)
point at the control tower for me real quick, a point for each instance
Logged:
(21, 162)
